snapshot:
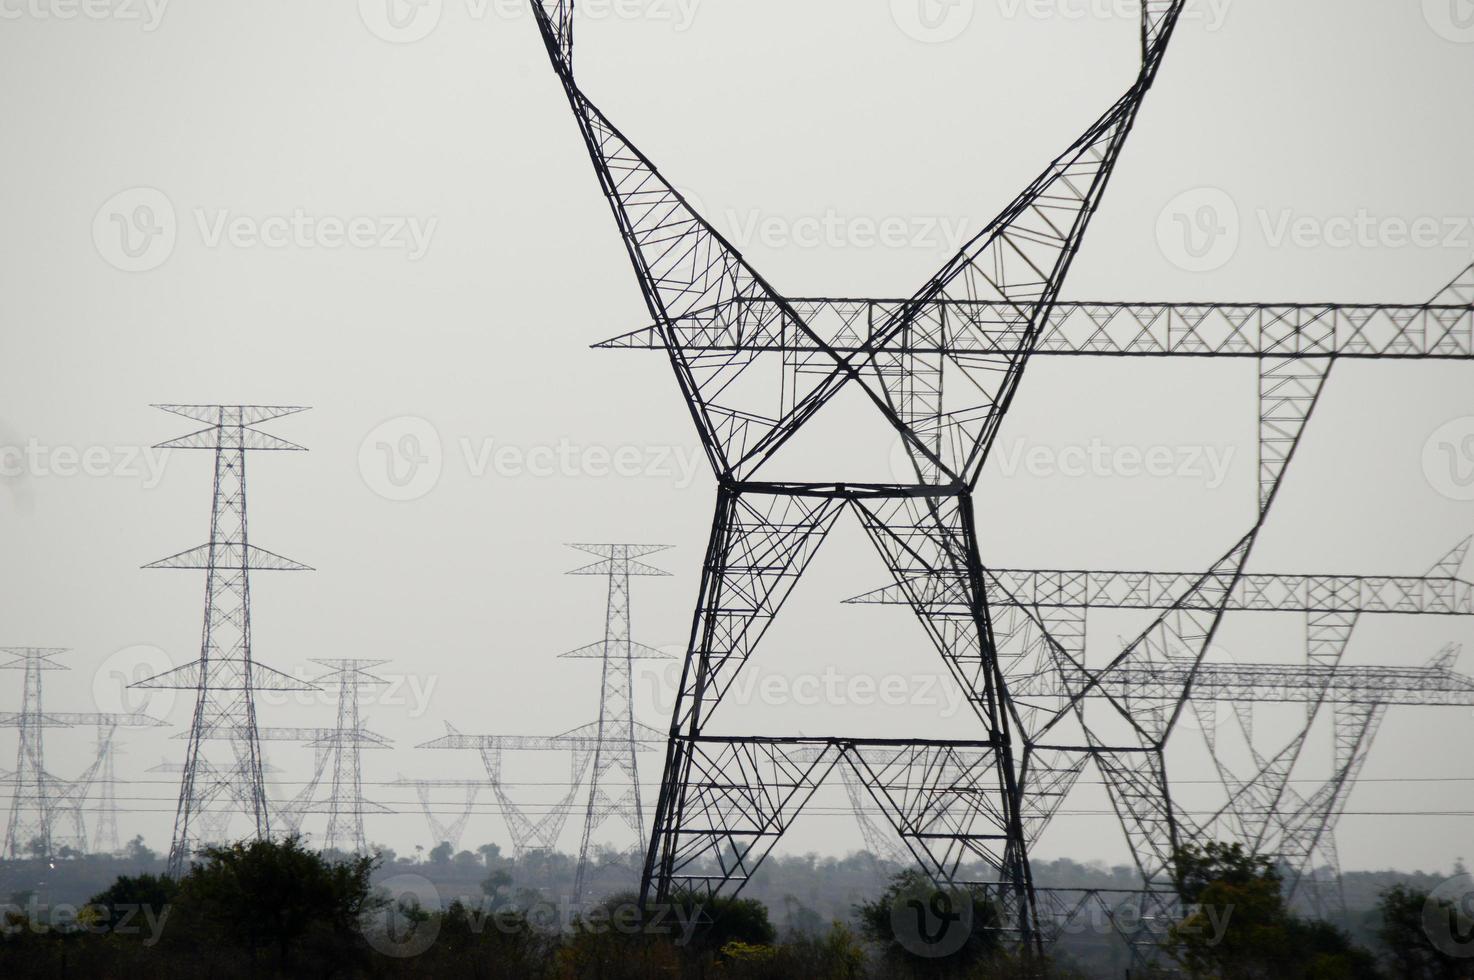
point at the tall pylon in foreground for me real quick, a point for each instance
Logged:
(225, 678)
(726, 800)
(616, 739)
(941, 370)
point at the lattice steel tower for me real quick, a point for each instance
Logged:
(338, 759)
(941, 369)
(225, 677)
(617, 740)
(717, 317)
(39, 799)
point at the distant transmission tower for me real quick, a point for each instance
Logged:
(225, 678)
(338, 759)
(445, 831)
(616, 737)
(39, 799)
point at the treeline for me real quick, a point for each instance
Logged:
(280, 909)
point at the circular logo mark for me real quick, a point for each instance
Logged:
(933, 21)
(1448, 459)
(408, 922)
(1448, 916)
(400, 21)
(115, 682)
(1452, 20)
(135, 229)
(401, 459)
(908, 465)
(931, 922)
(1198, 230)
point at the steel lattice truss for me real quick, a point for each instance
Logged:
(605, 751)
(226, 676)
(443, 831)
(39, 799)
(337, 760)
(618, 737)
(940, 370)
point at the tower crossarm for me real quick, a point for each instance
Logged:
(71, 719)
(1284, 683)
(1420, 595)
(1254, 330)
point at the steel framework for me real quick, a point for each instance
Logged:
(616, 735)
(226, 677)
(449, 832)
(941, 369)
(39, 799)
(337, 759)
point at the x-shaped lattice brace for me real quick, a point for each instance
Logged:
(700, 291)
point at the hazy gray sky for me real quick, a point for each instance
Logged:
(385, 212)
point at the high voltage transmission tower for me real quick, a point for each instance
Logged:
(941, 369)
(226, 677)
(338, 759)
(605, 750)
(616, 736)
(441, 830)
(39, 799)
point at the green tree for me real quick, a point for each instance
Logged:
(135, 850)
(1404, 936)
(278, 896)
(913, 924)
(441, 853)
(1239, 928)
(124, 899)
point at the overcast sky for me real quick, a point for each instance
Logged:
(386, 213)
